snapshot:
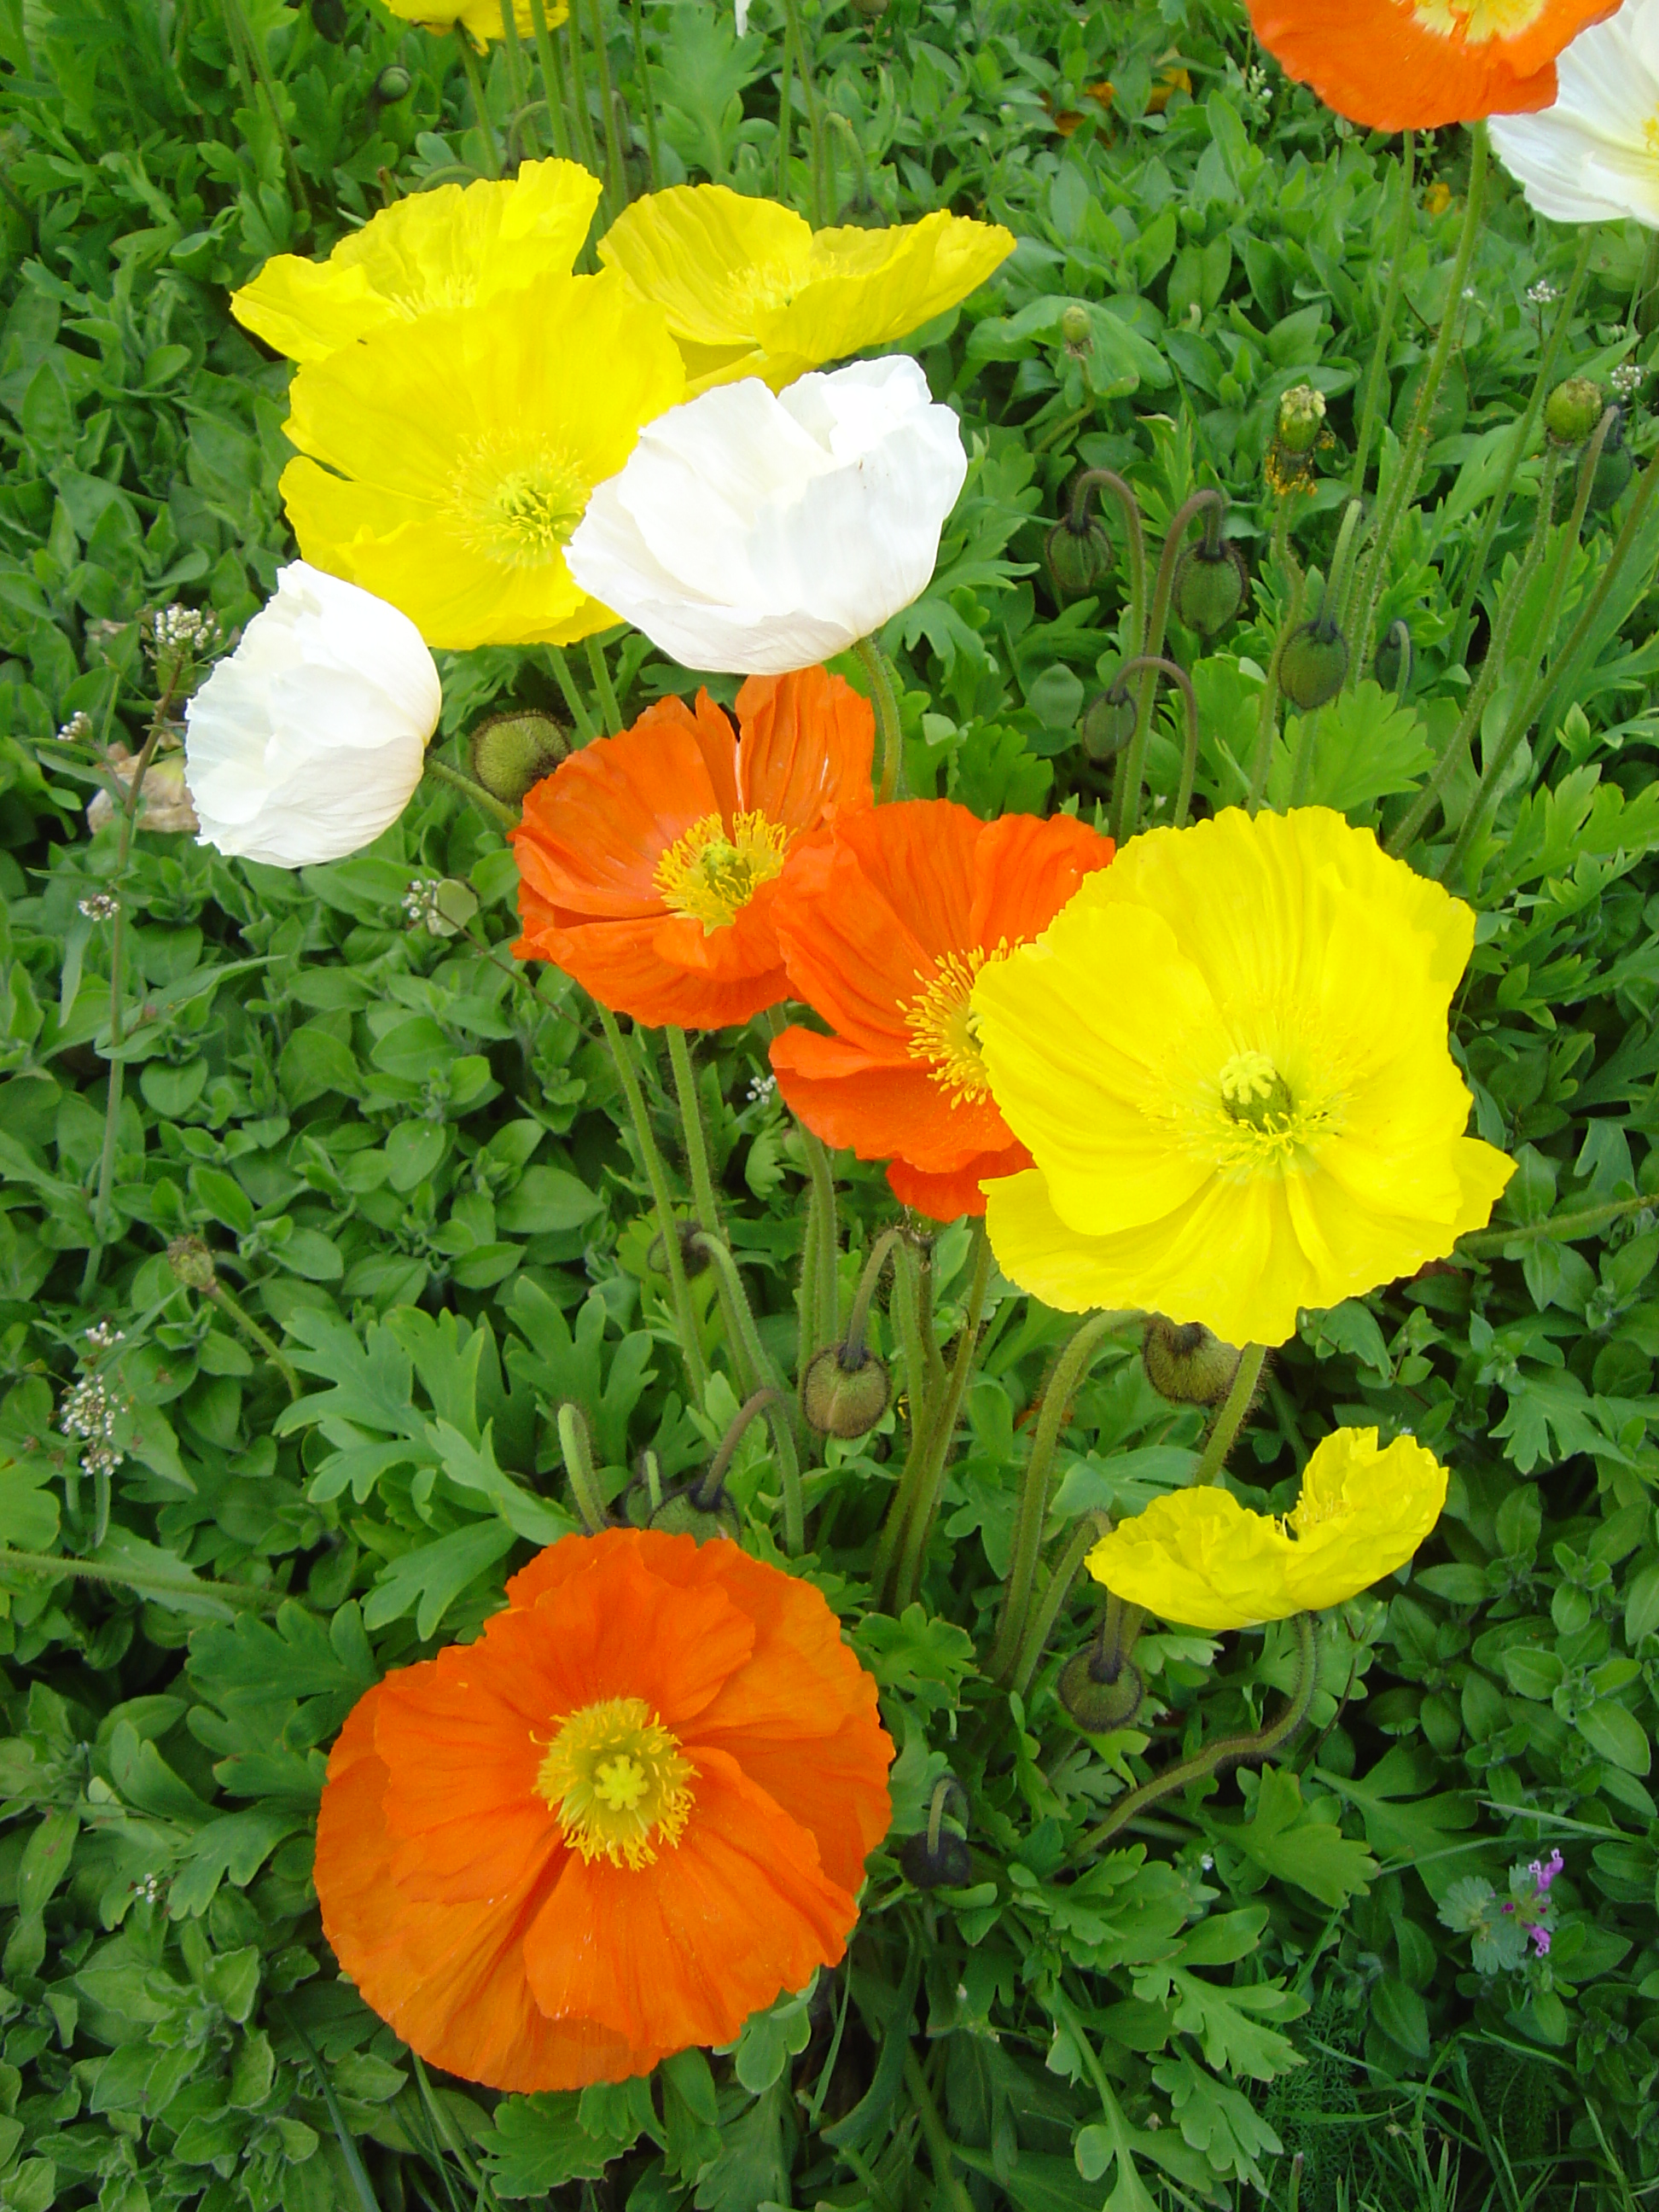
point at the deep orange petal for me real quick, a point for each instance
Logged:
(850, 950)
(593, 832)
(623, 965)
(881, 1111)
(1025, 869)
(737, 1912)
(808, 741)
(945, 1197)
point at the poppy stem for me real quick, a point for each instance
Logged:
(853, 1339)
(786, 120)
(827, 1288)
(1134, 537)
(1457, 751)
(883, 699)
(602, 684)
(1134, 765)
(613, 153)
(740, 1333)
(515, 81)
(1226, 1750)
(713, 1480)
(1033, 1510)
(250, 1329)
(642, 70)
(685, 1319)
(1489, 1243)
(1380, 343)
(920, 1485)
(485, 801)
(576, 1449)
(474, 85)
(940, 2149)
(814, 117)
(1266, 721)
(552, 79)
(587, 151)
(1056, 1591)
(740, 1318)
(1403, 489)
(573, 697)
(1522, 440)
(1161, 667)
(1230, 1416)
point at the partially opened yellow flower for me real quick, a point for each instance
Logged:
(751, 290)
(446, 462)
(427, 254)
(1200, 1557)
(482, 18)
(1227, 1057)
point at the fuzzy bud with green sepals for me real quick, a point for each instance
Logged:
(1186, 1363)
(1078, 559)
(683, 1514)
(1076, 331)
(193, 1263)
(393, 83)
(1098, 1703)
(512, 752)
(844, 1395)
(1572, 411)
(1614, 469)
(1313, 664)
(1108, 723)
(1209, 584)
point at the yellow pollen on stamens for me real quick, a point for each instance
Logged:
(518, 505)
(710, 874)
(1263, 1127)
(1477, 22)
(618, 1782)
(944, 1028)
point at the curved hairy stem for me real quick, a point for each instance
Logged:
(1230, 1416)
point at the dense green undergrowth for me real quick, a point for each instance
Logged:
(429, 1227)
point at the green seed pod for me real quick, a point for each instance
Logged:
(1078, 559)
(1209, 586)
(511, 752)
(1108, 723)
(392, 84)
(843, 1400)
(1096, 1704)
(1392, 664)
(1572, 411)
(1313, 664)
(1185, 1364)
(946, 1866)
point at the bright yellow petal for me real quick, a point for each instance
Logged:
(307, 309)
(1484, 1173)
(870, 287)
(706, 255)
(1362, 1514)
(482, 18)
(1199, 1558)
(464, 449)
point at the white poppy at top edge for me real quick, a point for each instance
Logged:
(756, 532)
(1594, 156)
(309, 740)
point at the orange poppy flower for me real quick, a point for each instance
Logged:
(1416, 65)
(883, 932)
(635, 1811)
(648, 862)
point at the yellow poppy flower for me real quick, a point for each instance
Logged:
(427, 254)
(482, 18)
(751, 290)
(1227, 1057)
(445, 462)
(1200, 1557)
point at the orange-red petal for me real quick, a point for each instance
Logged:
(944, 1197)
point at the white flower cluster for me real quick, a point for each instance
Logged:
(97, 906)
(90, 1412)
(106, 1335)
(180, 629)
(761, 1087)
(420, 905)
(1543, 294)
(1628, 378)
(77, 729)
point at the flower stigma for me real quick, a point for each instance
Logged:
(519, 508)
(944, 1028)
(710, 874)
(618, 1782)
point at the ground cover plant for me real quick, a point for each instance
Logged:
(337, 1281)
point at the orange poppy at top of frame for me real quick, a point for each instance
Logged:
(648, 863)
(1417, 64)
(883, 931)
(634, 1812)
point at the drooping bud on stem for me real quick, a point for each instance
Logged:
(1572, 411)
(577, 1448)
(1210, 583)
(511, 752)
(1313, 664)
(1102, 1688)
(937, 1857)
(846, 1388)
(1187, 1365)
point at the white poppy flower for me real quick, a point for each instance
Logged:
(1594, 156)
(309, 740)
(759, 532)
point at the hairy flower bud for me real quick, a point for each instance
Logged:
(1075, 327)
(1209, 586)
(1099, 1705)
(1301, 418)
(1572, 410)
(511, 752)
(1108, 724)
(843, 1399)
(1313, 664)
(392, 84)
(191, 1262)
(945, 1864)
(1392, 664)
(1186, 1363)
(681, 1514)
(1077, 559)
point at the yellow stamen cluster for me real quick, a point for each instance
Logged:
(619, 1783)
(1478, 21)
(517, 504)
(710, 874)
(946, 1029)
(1267, 1125)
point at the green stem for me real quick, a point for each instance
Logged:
(1128, 809)
(474, 85)
(255, 1335)
(89, 1570)
(1462, 739)
(602, 684)
(904, 1311)
(924, 1490)
(1266, 719)
(586, 728)
(883, 699)
(236, 18)
(1490, 1243)
(1226, 1750)
(828, 1289)
(485, 801)
(1403, 491)
(1522, 439)
(642, 70)
(613, 153)
(517, 94)
(767, 1379)
(1033, 1510)
(577, 1451)
(814, 115)
(696, 1144)
(1491, 774)
(712, 1481)
(685, 1319)
(859, 1314)
(1157, 664)
(1056, 1591)
(552, 78)
(1134, 536)
(1231, 1414)
(786, 119)
(1379, 369)
(941, 2151)
(587, 148)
